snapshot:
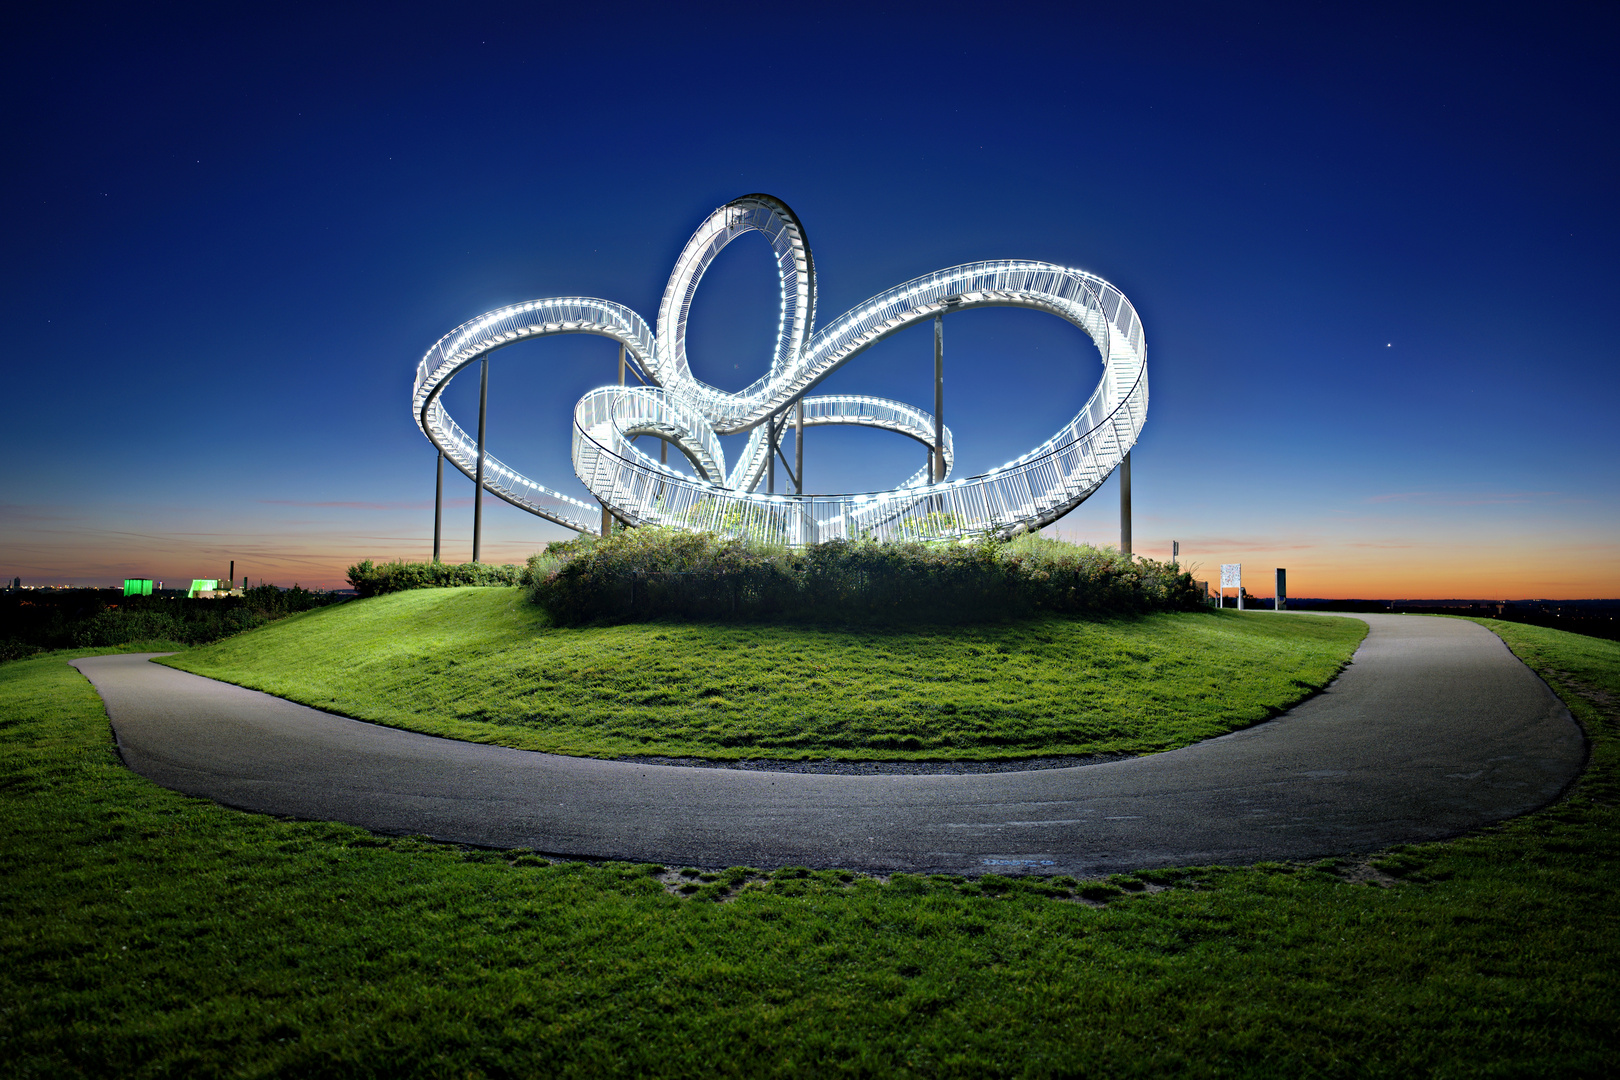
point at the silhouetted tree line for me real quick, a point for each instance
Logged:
(34, 620)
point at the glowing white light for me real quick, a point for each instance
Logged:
(627, 479)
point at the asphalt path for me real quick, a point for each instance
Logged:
(1435, 729)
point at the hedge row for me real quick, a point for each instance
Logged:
(650, 573)
(371, 579)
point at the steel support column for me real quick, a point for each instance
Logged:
(1125, 505)
(798, 449)
(607, 515)
(438, 507)
(937, 455)
(478, 480)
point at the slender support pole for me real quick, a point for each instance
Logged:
(798, 450)
(607, 515)
(438, 508)
(663, 459)
(938, 454)
(478, 479)
(1125, 505)
(780, 432)
(770, 454)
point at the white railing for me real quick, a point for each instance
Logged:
(1026, 493)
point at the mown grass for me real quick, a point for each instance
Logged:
(145, 934)
(483, 665)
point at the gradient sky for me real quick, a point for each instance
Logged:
(1373, 250)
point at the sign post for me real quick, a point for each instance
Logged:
(1232, 578)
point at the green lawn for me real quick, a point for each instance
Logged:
(483, 665)
(146, 934)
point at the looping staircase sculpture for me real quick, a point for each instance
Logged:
(674, 405)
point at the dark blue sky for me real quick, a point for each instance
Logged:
(1372, 249)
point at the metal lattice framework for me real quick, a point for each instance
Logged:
(1027, 493)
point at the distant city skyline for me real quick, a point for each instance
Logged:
(1371, 249)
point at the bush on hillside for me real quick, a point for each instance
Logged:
(371, 579)
(651, 573)
(15, 649)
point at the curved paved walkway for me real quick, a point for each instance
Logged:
(1434, 730)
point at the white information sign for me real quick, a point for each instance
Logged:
(1231, 575)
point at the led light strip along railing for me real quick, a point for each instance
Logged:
(1027, 493)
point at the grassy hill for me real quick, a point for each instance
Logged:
(144, 933)
(483, 665)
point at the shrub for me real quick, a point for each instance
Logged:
(13, 649)
(651, 573)
(370, 579)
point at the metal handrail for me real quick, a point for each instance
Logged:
(1026, 493)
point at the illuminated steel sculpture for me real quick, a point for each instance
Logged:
(675, 406)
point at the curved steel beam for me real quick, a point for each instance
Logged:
(1026, 493)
